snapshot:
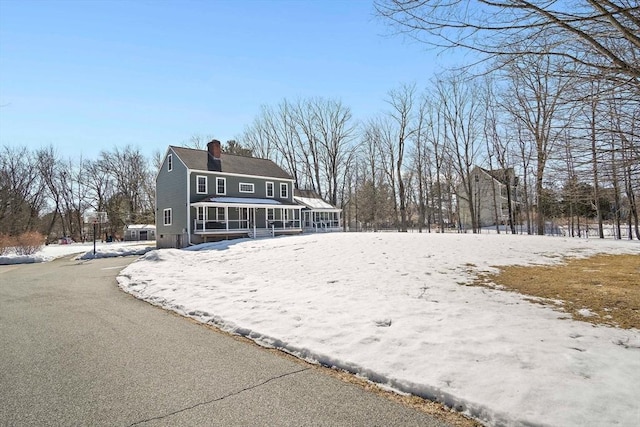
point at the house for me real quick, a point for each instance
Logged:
(207, 195)
(492, 190)
(317, 215)
(138, 232)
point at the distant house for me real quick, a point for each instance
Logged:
(139, 232)
(490, 195)
(317, 215)
(207, 195)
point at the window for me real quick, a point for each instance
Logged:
(269, 214)
(269, 189)
(201, 213)
(170, 162)
(246, 187)
(221, 185)
(219, 214)
(201, 184)
(167, 216)
(284, 191)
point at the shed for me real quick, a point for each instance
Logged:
(139, 232)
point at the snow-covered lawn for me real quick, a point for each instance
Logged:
(84, 251)
(393, 308)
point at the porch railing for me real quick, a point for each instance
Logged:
(213, 226)
(208, 226)
(325, 225)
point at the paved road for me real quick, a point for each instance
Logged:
(75, 350)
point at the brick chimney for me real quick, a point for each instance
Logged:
(214, 148)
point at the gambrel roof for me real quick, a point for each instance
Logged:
(228, 163)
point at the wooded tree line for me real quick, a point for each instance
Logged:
(557, 101)
(41, 191)
(572, 146)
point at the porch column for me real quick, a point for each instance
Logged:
(254, 222)
(226, 216)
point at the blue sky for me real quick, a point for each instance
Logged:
(90, 75)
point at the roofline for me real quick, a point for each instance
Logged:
(171, 147)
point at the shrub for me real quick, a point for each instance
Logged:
(29, 243)
(6, 243)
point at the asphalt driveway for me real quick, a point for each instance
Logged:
(76, 350)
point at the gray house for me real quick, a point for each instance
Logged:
(206, 195)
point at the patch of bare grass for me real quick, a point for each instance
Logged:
(603, 290)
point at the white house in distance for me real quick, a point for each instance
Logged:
(491, 199)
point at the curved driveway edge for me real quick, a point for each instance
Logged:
(75, 350)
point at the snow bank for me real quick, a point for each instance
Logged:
(51, 252)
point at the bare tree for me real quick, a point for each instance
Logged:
(256, 137)
(281, 130)
(21, 191)
(534, 99)
(335, 133)
(602, 35)
(421, 159)
(199, 142)
(437, 148)
(383, 129)
(132, 200)
(402, 114)
(499, 146)
(376, 191)
(460, 105)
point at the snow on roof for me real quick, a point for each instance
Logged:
(140, 226)
(314, 203)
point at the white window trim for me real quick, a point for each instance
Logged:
(286, 187)
(164, 216)
(169, 162)
(253, 187)
(273, 189)
(224, 180)
(206, 184)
